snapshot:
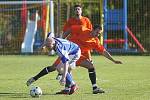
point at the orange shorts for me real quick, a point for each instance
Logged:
(84, 56)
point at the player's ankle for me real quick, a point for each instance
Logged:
(94, 86)
(35, 78)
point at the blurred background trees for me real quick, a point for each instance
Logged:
(10, 19)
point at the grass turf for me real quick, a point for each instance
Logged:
(129, 81)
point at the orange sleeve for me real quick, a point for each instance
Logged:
(98, 47)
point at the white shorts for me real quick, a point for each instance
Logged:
(72, 60)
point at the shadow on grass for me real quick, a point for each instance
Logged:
(52, 94)
(14, 95)
(20, 95)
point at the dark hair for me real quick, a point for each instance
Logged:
(97, 26)
(77, 6)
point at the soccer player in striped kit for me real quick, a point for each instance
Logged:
(68, 53)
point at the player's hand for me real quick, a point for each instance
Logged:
(62, 82)
(117, 62)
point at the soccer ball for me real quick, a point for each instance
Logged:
(35, 91)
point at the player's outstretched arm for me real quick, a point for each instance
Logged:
(107, 55)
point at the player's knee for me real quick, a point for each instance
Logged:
(91, 62)
(90, 66)
(60, 70)
(51, 68)
(91, 70)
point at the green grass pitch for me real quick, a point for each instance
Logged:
(129, 81)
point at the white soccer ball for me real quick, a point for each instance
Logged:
(35, 91)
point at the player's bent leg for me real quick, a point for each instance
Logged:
(43, 72)
(86, 64)
(92, 75)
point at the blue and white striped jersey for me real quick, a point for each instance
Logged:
(64, 48)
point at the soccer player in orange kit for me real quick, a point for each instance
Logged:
(80, 31)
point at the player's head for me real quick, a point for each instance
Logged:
(97, 29)
(50, 43)
(78, 10)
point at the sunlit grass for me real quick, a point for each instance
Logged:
(129, 81)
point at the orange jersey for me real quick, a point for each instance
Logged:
(83, 22)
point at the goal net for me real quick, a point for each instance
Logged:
(22, 22)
